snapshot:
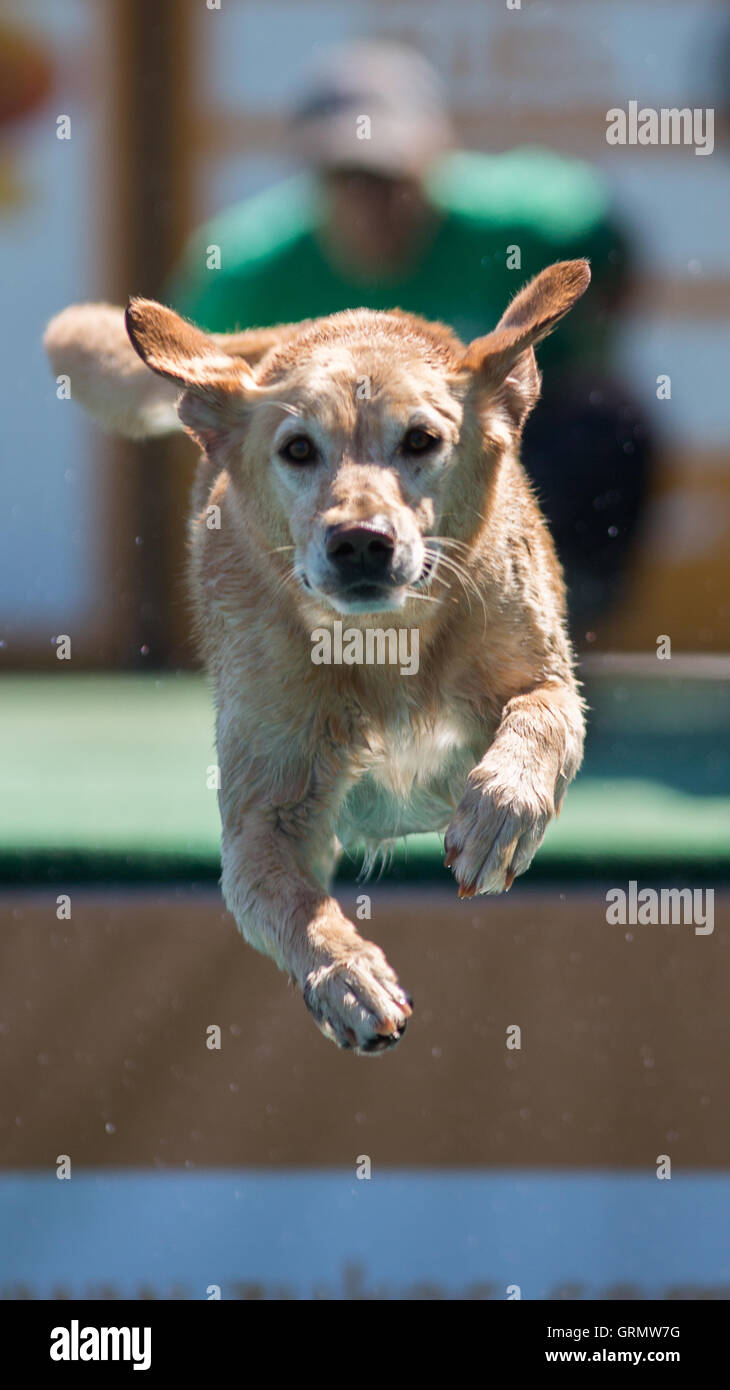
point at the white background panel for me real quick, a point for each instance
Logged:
(696, 358)
(549, 55)
(677, 208)
(49, 537)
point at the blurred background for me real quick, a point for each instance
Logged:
(237, 1167)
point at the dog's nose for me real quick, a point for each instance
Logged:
(363, 550)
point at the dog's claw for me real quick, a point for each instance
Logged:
(451, 855)
(357, 1001)
(467, 890)
(509, 879)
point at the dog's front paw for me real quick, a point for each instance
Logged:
(496, 829)
(357, 1001)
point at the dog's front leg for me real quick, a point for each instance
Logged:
(516, 789)
(271, 884)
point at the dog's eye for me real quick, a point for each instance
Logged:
(419, 441)
(298, 450)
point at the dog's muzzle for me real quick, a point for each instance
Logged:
(361, 553)
(365, 566)
(361, 558)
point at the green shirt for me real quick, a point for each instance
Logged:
(274, 268)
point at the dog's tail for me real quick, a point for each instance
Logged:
(88, 344)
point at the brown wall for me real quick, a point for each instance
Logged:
(624, 1042)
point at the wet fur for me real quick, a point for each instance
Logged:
(482, 741)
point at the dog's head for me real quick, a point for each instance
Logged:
(360, 448)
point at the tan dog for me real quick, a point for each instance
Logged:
(360, 465)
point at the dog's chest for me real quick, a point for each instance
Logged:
(414, 753)
(415, 775)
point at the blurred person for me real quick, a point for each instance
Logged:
(389, 213)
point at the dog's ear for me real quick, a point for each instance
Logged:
(503, 362)
(217, 383)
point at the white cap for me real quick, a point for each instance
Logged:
(375, 106)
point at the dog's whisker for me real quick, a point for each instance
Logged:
(469, 586)
(461, 581)
(441, 580)
(453, 562)
(451, 541)
(292, 572)
(447, 585)
(426, 598)
(467, 582)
